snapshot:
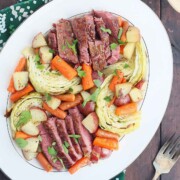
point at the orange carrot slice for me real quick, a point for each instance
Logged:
(66, 97)
(20, 134)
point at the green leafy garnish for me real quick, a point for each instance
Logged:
(97, 82)
(121, 42)
(37, 58)
(73, 46)
(40, 66)
(113, 46)
(21, 142)
(48, 97)
(51, 51)
(52, 151)
(100, 74)
(106, 30)
(61, 162)
(25, 116)
(126, 66)
(107, 98)
(80, 72)
(65, 149)
(75, 136)
(120, 33)
(70, 90)
(66, 144)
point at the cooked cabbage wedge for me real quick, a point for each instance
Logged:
(24, 104)
(46, 81)
(108, 120)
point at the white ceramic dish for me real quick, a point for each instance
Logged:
(154, 106)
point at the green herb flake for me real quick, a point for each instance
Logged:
(80, 72)
(100, 74)
(61, 162)
(54, 160)
(66, 144)
(113, 46)
(51, 51)
(73, 46)
(21, 142)
(48, 97)
(107, 98)
(40, 138)
(70, 90)
(121, 42)
(126, 66)
(52, 151)
(75, 136)
(97, 82)
(120, 32)
(25, 116)
(65, 149)
(106, 30)
(37, 58)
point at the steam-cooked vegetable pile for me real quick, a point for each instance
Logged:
(76, 91)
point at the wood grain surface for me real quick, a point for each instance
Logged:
(142, 168)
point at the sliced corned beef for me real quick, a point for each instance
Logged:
(52, 41)
(52, 129)
(115, 56)
(110, 20)
(61, 126)
(70, 130)
(97, 55)
(45, 143)
(85, 140)
(96, 153)
(104, 36)
(65, 37)
(79, 29)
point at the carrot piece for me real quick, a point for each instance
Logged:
(79, 164)
(67, 105)
(64, 68)
(116, 80)
(21, 65)
(108, 143)
(112, 101)
(126, 109)
(87, 80)
(20, 134)
(125, 28)
(57, 112)
(120, 21)
(124, 80)
(44, 163)
(66, 97)
(17, 95)
(36, 50)
(106, 134)
(122, 49)
(52, 67)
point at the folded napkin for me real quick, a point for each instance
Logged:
(11, 17)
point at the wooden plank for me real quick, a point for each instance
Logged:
(142, 168)
(171, 124)
(6, 3)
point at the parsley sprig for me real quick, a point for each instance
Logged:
(106, 30)
(80, 72)
(24, 117)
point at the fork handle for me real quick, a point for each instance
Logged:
(157, 174)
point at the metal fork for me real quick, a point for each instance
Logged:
(167, 156)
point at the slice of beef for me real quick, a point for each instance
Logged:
(70, 130)
(61, 127)
(85, 140)
(65, 37)
(52, 129)
(52, 41)
(95, 155)
(115, 56)
(79, 29)
(97, 55)
(45, 143)
(104, 36)
(110, 20)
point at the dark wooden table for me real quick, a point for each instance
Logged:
(142, 168)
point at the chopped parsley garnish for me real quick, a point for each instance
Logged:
(61, 162)
(107, 98)
(25, 116)
(64, 47)
(97, 82)
(38, 63)
(65, 149)
(21, 142)
(126, 66)
(75, 136)
(48, 97)
(120, 33)
(73, 46)
(37, 58)
(100, 74)
(66, 144)
(121, 42)
(51, 51)
(52, 151)
(40, 66)
(80, 72)
(106, 30)
(70, 90)
(113, 46)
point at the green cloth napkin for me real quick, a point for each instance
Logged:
(11, 17)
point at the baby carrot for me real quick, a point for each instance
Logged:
(66, 97)
(125, 28)
(20, 134)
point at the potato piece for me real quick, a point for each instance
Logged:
(91, 122)
(38, 115)
(39, 41)
(129, 50)
(136, 95)
(27, 52)
(29, 155)
(133, 34)
(45, 54)
(122, 100)
(87, 109)
(76, 89)
(30, 128)
(53, 103)
(32, 145)
(123, 89)
(20, 80)
(85, 95)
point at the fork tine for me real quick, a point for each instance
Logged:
(176, 156)
(163, 148)
(174, 142)
(175, 149)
